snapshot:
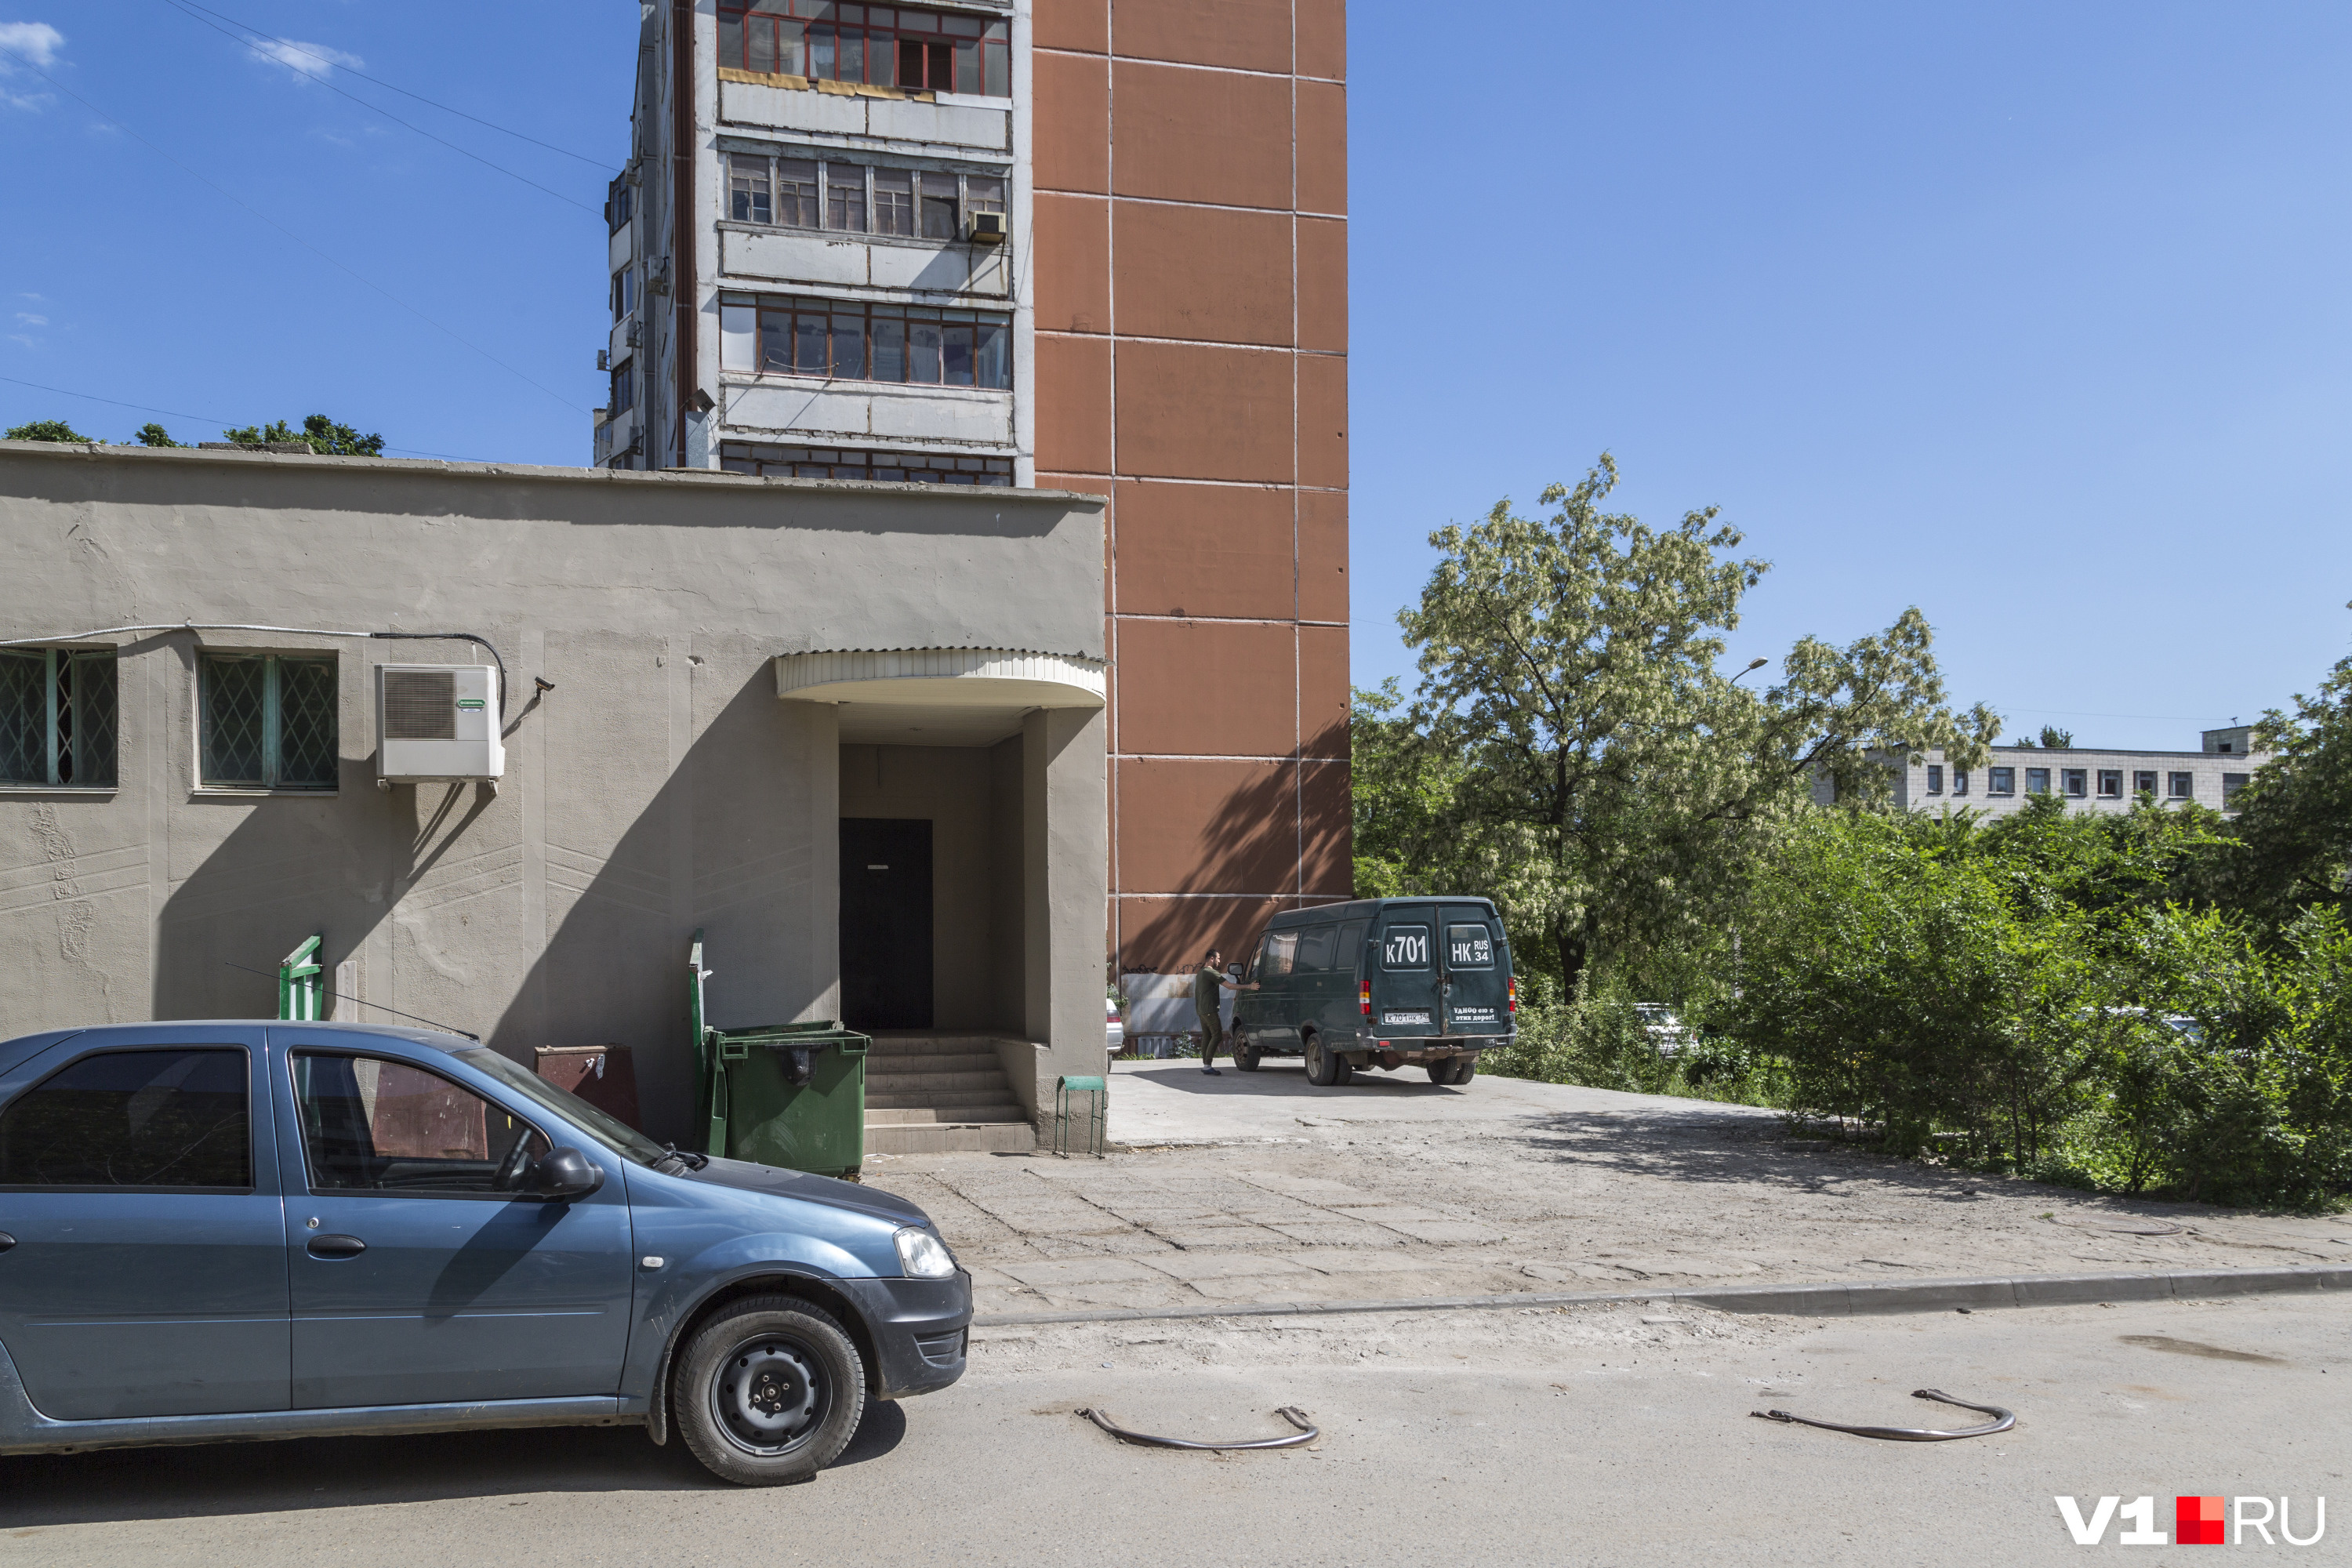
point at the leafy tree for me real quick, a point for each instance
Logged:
(2295, 816)
(318, 433)
(47, 430)
(1582, 757)
(153, 435)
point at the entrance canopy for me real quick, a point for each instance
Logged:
(938, 696)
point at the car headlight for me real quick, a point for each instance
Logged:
(924, 1256)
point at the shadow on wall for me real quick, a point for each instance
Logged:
(724, 842)
(1270, 834)
(290, 869)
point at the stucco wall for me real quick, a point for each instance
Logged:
(659, 787)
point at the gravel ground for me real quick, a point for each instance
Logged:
(1596, 1192)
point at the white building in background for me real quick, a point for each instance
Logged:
(819, 251)
(2086, 778)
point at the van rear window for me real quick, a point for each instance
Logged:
(1469, 947)
(1405, 947)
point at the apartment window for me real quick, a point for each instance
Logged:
(57, 717)
(846, 340)
(1934, 778)
(624, 293)
(2183, 786)
(2001, 781)
(625, 391)
(894, 201)
(2037, 781)
(1959, 781)
(881, 45)
(2144, 783)
(2075, 781)
(851, 198)
(269, 721)
(747, 189)
(619, 202)
(871, 468)
(2230, 785)
(2111, 783)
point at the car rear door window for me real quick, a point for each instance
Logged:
(1349, 948)
(1405, 947)
(170, 1120)
(1469, 947)
(374, 1124)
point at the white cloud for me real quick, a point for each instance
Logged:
(26, 318)
(306, 62)
(36, 42)
(21, 338)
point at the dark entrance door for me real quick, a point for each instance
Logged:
(885, 923)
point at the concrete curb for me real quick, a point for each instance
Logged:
(1865, 1298)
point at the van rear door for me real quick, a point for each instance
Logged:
(1404, 981)
(1477, 987)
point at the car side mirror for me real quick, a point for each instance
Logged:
(565, 1174)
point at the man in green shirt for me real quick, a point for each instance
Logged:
(1208, 992)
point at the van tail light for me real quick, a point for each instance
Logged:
(1364, 997)
(1515, 992)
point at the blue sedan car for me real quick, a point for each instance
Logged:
(243, 1230)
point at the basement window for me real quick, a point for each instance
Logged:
(268, 722)
(810, 41)
(57, 716)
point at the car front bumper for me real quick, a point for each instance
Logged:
(922, 1330)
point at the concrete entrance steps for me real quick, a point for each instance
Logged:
(934, 1091)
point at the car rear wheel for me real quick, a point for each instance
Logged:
(1442, 1072)
(1465, 1069)
(769, 1391)
(1322, 1066)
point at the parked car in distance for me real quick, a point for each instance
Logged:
(1381, 983)
(1663, 1025)
(245, 1229)
(1113, 1027)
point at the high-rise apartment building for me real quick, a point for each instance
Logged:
(1090, 245)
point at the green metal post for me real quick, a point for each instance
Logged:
(301, 983)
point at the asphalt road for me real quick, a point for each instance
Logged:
(1588, 1436)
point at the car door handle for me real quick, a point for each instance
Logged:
(336, 1246)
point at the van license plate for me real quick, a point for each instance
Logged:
(1404, 1017)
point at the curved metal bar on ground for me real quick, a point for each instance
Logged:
(2005, 1419)
(1307, 1433)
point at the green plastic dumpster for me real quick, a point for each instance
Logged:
(789, 1095)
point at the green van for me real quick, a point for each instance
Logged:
(1378, 983)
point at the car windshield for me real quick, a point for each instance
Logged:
(602, 1125)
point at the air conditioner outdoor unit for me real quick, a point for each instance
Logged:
(987, 229)
(438, 722)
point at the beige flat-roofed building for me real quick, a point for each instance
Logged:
(712, 684)
(2086, 778)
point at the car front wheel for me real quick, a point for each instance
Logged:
(769, 1391)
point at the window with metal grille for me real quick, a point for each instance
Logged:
(846, 340)
(57, 715)
(881, 45)
(269, 721)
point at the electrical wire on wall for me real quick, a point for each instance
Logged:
(485, 643)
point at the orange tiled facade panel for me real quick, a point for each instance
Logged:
(1208, 826)
(1188, 135)
(1206, 274)
(1190, 362)
(1206, 550)
(1222, 688)
(1244, 35)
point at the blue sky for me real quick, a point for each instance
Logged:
(2034, 317)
